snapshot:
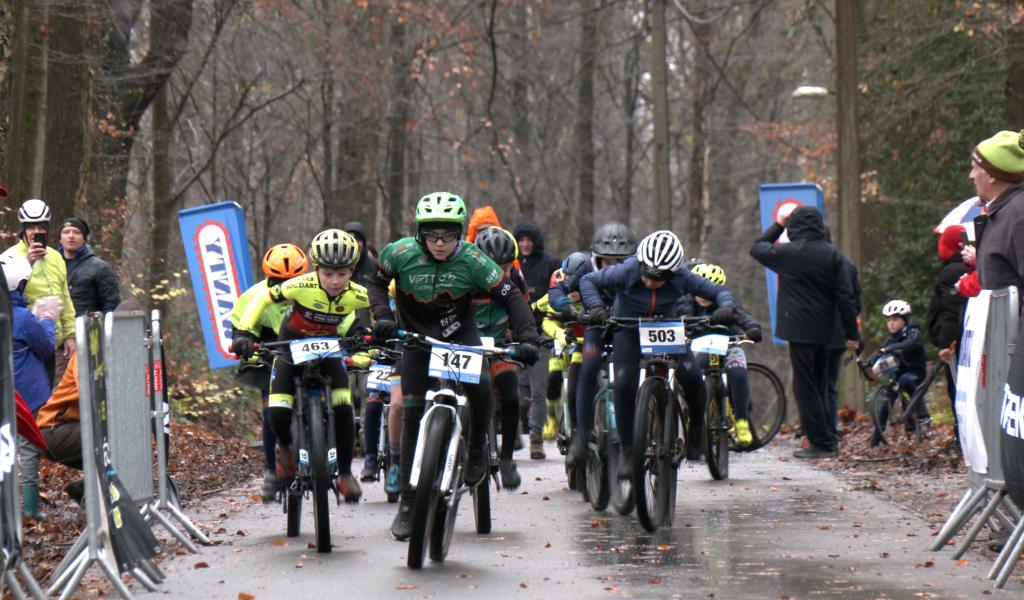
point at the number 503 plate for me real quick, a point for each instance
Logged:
(453, 363)
(662, 338)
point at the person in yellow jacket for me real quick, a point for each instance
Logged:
(320, 302)
(49, 277)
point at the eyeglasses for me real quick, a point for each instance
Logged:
(444, 238)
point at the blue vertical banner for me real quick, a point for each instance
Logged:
(772, 197)
(217, 249)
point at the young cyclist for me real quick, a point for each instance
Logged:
(320, 302)
(651, 284)
(492, 321)
(280, 263)
(436, 277)
(906, 344)
(735, 360)
(612, 243)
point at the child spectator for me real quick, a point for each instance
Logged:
(946, 313)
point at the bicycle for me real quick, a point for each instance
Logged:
(441, 449)
(313, 433)
(566, 429)
(378, 379)
(883, 398)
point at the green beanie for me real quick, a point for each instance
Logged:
(1002, 156)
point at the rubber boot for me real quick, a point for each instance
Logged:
(30, 499)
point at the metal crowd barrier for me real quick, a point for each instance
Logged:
(10, 511)
(986, 495)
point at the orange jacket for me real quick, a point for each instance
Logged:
(63, 404)
(484, 215)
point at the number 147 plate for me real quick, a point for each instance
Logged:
(454, 363)
(662, 337)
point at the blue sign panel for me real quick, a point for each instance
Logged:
(774, 196)
(217, 249)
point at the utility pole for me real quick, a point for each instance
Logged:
(848, 160)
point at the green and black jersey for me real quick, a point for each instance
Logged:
(436, 297)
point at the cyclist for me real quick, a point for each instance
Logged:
(552, 326)
(906, 344)
(492, 321)
(280, 263)
(735, 360)
(320, 302)
(612, 243)
(436, 277)
(651, 284)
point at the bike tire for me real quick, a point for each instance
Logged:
(716, 430)
(668, 470)
(647, 451)
(598, 476)
(482, 506)
(444, 517)
(318, 472)
(875, 403)
(425, 506)
(767, 407)
(293, 510)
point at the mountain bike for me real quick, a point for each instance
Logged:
(563, 436)
(442, 449)
(378, 379)
(719, 419)
(883, 368)
(604, 449)
(312, 432)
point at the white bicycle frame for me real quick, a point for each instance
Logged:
(453, 443)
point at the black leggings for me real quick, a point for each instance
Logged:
(506, 386)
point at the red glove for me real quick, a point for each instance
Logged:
(968, 286)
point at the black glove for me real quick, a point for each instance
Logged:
(724, 315)
(568, 314)
(599, 314)
(242, 343)
(526, 353)
(754, 334)
(384, 330)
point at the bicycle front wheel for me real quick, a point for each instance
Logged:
(318, 471)
(650, 453)
(444, 519)
(598, 475)
(716, 429)
(428, 486)
(767, 408)
(880, 407)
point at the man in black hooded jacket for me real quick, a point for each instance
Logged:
(812, 282)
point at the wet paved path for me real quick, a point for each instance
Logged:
(777, 529)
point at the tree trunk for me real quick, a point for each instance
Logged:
(521, 108)
(659, 84)
(163, 208)
(583, 138)
(699, 222)
(630, 96)
(8, 17)
(67, 105)
(1015, 75)
(401, 85)
(27, 102)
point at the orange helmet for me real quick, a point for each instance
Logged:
(556, 278)
(284, 261)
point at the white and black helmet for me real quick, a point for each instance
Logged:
(34, 211)
(16, 269)
(660, 254)
(897, 308)
(334, 248)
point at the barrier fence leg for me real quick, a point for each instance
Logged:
(151, 511)
(967, 507)
(73, 555)
(152, 570)
(115, 579)
(61, 577)
(983, 520)
(75, 577)
(1010, 555)
(188, 525)
(141, 577)
(30, 582)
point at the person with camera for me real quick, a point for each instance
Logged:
(49, 277)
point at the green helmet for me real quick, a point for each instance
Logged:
(441, 207)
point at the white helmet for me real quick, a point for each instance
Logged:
(34, 211)
(899, 308)
(16, 269)
(660, 254)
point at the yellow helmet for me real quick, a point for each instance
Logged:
(713, 273)
(334, 248)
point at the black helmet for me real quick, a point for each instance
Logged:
(574, 261)
(613, 240)
(498, 244)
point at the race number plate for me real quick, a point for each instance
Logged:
(487, 341)
(662, 338)
(711, 344)
(379, 378)
(307, 349)
(454, 363)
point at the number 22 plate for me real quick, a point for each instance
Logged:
(662, 338)
(452, 363)
(379, 378)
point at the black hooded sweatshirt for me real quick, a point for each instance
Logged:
(812, 280)
(538, 265)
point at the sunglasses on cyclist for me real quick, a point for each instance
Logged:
(656, 274)
(447, 237)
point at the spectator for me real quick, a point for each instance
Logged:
(49, 277)
(33, 341)
(91, 281)
(537, 267)
(837, 345)
(481, 219)
(367, 253)
(946, 312)
(812, 283)
(997, 170)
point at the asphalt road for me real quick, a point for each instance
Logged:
(777, 529)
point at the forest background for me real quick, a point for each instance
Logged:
(658, 113)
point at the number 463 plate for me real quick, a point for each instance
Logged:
(452, 363)
(662, 337)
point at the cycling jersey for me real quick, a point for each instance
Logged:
(270, 318)
(435, 298)
(312, 312)
(634, 299)
(491, 318)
